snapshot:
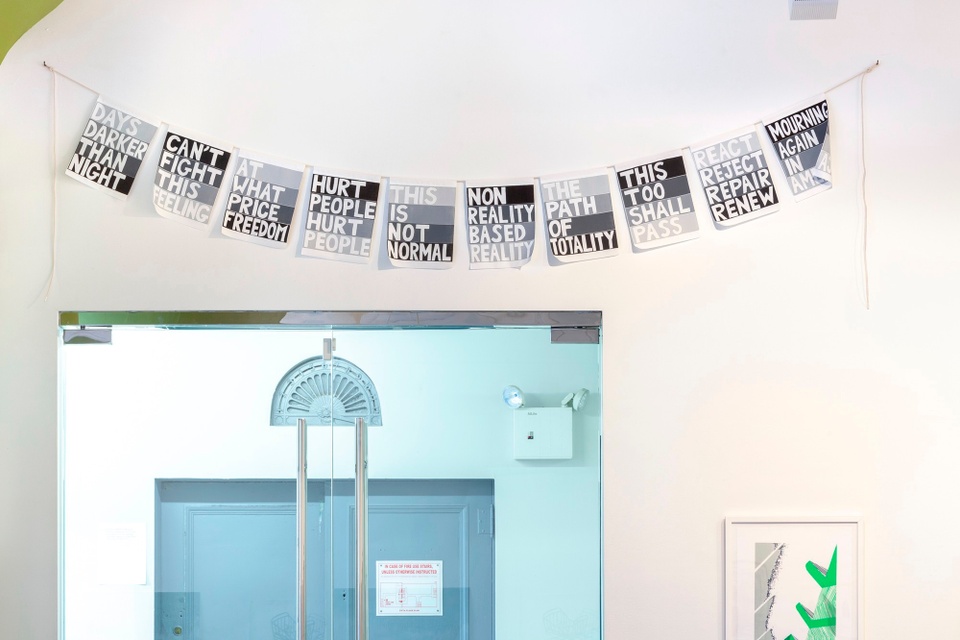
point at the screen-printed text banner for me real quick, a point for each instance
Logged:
(111, 149)
(736, 178)
(262, 200)
(578, 212)
(657, 201)
(500, 224)
(420, 224)
(801, 140)
(341, 216)
(190, 173)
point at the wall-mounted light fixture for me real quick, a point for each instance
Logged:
(513, 396)
(575, 399)
(543, 433)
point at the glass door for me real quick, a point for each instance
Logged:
(178, 493)
(483, 518)
(194, 505)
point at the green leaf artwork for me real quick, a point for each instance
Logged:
(822, 621)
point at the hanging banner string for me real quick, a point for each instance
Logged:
(863, 198)
(862, 262)
(55, 212)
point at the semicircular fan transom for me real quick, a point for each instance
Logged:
(325, 393)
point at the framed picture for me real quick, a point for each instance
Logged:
(793, 578)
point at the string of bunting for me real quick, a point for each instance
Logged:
(339, 215)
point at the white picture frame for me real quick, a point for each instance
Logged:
(768, 578)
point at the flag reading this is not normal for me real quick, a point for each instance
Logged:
(420, 223)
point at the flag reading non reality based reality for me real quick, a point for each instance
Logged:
(500, 223)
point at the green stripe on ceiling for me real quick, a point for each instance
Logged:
(18, 16)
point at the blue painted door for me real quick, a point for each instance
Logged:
(430, 559)
(226, 560)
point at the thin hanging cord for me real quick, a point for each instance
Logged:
(863, 288)
(53, 176)
(863, 201)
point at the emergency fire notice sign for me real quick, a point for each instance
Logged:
(409, 588)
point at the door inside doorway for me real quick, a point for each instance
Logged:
(225, 567)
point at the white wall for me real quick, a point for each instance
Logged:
(195, 404)
(742, 373)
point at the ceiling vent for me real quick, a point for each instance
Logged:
(813, 9)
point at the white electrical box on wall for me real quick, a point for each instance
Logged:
(543, 433)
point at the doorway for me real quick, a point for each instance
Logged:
(168, 424)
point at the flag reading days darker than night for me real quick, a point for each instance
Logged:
(111, 149)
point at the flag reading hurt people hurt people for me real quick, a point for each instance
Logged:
(341, 216)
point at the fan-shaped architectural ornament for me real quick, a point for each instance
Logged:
(325, 393)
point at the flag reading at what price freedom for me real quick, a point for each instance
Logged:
(736, 178)
(500, 223)
(657, 200)
(421, 217)
(111, 149)
(578, 212)
(261, 202)
(189, 176)
(341, 216)
(801, 139)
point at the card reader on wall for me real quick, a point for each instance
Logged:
(543, 433)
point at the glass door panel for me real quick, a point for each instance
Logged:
(178, 504)
(483, 520)
(180, 461)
